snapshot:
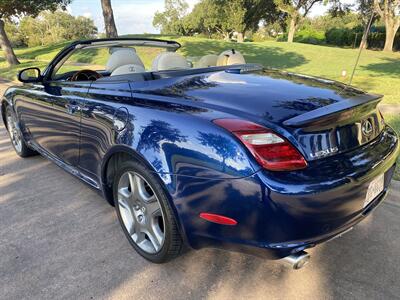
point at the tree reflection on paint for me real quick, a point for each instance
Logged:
(223, 146)
(157, 131)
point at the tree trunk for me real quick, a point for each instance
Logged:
(391, 30)
(292, 30)
(111, 30)
(240, 37)
(6, 46)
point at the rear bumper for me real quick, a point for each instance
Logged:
(279, 214)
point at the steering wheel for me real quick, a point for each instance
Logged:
(86, 75)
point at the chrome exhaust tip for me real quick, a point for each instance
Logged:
(298, 260)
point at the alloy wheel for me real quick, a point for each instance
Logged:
(141, 212)
(14, 132)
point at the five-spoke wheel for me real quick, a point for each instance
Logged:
(16, 137)
(145, 213)
(13, 131)
(141, 212)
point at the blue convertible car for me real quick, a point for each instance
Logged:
(216, 153)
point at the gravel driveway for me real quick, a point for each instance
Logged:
(60, 240)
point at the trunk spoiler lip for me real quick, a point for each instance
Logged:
(332, 109)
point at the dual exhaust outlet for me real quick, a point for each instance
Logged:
(297, 260)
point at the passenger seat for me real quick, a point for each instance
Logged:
(206, 61)
(170, 61)
(230, 57)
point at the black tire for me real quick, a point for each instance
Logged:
(172, 244)
(22, 150)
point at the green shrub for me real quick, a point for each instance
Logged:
(310, 36)
(306, 36)
(346, 37)
(341, 36)
(259, 37)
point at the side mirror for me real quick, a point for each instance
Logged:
(30, 75)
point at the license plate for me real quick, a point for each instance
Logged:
(374, 189)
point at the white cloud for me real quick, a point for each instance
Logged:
(135, 17)
(87, 14)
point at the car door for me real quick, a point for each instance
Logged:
(50, 116)
(104, 116)
(62, 126)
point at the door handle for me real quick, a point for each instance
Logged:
(72, 108)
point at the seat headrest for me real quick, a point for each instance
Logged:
(169, 61)
(230, 57)
(123, 56)
(206, 61)
(128, 69)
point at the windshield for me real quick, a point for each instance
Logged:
(110, 58)
(100, 59)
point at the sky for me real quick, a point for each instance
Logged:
(136, 16)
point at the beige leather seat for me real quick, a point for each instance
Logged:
(230, 57)
(128, 69)
(124, 61)
(206, 61)
(169, 61)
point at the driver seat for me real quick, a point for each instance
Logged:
(124, 61)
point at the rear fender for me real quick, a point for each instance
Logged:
(186, 145)
(167, 180)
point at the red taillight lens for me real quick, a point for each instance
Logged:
(272, 151)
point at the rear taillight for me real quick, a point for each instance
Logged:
(272, 151)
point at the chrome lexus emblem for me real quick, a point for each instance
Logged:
(366, 127)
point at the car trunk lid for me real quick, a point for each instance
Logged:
(325, 117)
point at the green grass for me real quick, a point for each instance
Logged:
(377, 72)
(394, 121)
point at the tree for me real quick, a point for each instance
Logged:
(365, 9)
(389, 11)
(108, 15)
(209, 17)
(14, 34)
(254, 12)
(12, 8)
(50, 28)
(296, 10)
(6, 45)
(236, 12)
(216, 16)
(327, 21)
(170, 21)
(226, 16)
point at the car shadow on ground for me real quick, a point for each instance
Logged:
(60, 239)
